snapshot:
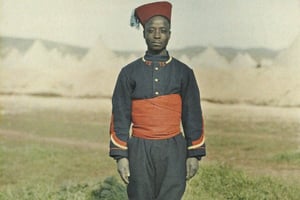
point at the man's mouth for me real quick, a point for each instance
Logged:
(156, 43)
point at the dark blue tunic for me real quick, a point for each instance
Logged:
(149, 77)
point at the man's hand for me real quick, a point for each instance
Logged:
(192, 166)
(123, 169)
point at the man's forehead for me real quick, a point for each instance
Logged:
(158, 20)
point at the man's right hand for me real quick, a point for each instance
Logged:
(123, 169)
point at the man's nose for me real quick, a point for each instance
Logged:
(157, 34)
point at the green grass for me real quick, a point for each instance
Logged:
(216, 182)
(257, 146)
(50, 163)
(291, 158)
(32, 163)
(109, 189)
(220, 182)
(64, 155)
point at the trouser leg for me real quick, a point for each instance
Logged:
(141, 178)
(171, 175)
(157, 168)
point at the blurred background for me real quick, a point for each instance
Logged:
(76, 48)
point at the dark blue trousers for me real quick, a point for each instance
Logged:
(157, 168)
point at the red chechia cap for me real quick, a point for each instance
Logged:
(143, 13)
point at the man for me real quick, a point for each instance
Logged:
(155, 94)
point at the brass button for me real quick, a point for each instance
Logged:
(156, 68)
(156, 79)
(156, 93)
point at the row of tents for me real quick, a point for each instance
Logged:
(99, 56)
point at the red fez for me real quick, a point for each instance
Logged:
(143, 13)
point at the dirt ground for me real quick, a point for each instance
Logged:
(17, 104)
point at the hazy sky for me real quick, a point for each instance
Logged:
(238, 23)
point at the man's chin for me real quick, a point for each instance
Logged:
(157, 48)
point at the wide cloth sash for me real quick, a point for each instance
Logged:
(156, 118)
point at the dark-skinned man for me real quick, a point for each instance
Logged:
(155, 94)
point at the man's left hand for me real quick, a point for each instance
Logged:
(192, 166)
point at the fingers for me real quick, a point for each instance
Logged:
(125, 176)
(192, 166)
(123, 169)
(191, 172)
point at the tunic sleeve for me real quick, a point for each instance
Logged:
(121, 116)
(192, 120)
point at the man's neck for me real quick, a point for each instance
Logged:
(163, 52)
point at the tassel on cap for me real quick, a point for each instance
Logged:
(134, 21)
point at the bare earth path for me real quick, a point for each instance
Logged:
(18, 135)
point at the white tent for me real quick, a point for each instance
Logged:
(266, 62)
(185, 59)
(12, 59)
(37, 56)
(209, 58)
(290, 57)
(243, 60)
(99, 56)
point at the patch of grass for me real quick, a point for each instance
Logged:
(25, 160)
(50, 163)
(254, 146)
(288, 157)
(109, 189)
(216, 182)
(220, 182)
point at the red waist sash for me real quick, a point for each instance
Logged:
(156, 118)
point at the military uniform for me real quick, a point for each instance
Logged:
(155, 94)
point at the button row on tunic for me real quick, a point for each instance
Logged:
(156, 80)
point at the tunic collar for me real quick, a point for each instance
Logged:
(162, 60)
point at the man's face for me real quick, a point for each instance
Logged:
(157, 34)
